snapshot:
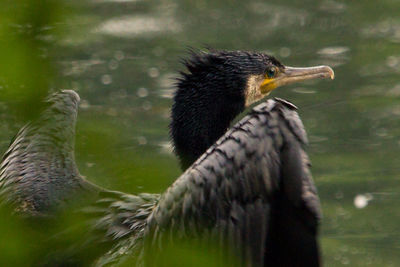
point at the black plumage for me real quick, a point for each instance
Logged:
(241, 181)
(210, 94)
(248, 188)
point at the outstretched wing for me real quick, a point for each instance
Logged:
(38, 172)
(38, 175)
(252, 191)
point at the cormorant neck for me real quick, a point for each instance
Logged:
(196, 125)
(209, 95)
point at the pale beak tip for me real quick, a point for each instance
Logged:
(331, 73)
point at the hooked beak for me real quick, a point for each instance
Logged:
(288, 75)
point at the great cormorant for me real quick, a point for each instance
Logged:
(248, 187)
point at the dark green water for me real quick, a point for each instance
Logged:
(121, 57)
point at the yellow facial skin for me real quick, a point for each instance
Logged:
(260, 86)
(269, 83)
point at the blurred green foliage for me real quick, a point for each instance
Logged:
(28, 30)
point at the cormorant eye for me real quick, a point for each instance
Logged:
(271, 72)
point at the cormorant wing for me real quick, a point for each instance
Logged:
(38, 172)
(251, 191)
(38, 175)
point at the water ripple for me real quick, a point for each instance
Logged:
(132, 26)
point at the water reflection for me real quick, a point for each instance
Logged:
(78, 67)
(166, 147)
(278, 16)
(84, 104)
(113, 64)
(132, 26)
(106, 79)
(147, 105)
(332, 6)
(142, 140)
(153, 72)
(361, 200)
(388, 29)
(142, 92)
(303, 90)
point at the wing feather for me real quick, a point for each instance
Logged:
(38, 171)
(241, 184)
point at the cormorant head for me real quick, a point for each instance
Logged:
(216, 87)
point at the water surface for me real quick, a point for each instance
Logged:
(122, 55)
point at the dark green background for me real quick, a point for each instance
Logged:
(121, 57)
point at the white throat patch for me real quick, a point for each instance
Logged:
(253, 93)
